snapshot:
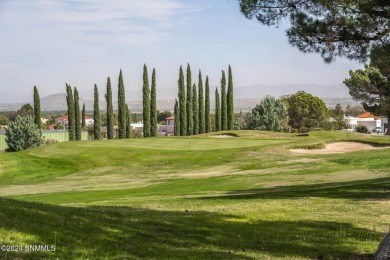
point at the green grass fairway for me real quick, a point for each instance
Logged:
(204, 197)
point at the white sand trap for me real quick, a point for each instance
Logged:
(223, 136)
(341, 147)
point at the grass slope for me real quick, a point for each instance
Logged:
(245, 197)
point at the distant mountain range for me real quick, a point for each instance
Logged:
(245, 97)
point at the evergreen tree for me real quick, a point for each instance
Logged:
(96, 115)
(223, 103)
(195, 109)
(121, 107)
(77, 119)
(182, 104)
(230, 107)
(146, 103)
(207, 107)
(153, 107)
(110, 111)
(201, 105)
(189, 104)
(37, 109)
(23, 134)
(329, 27)
(176, 114)
(217, 111)
(270, 114)
(83, 117)
(128, 122)
(71, 121)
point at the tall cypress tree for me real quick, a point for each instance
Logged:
(77, 119)
(230, 107)
(96, 115)
(37, 108)
(70, 102)
(217, 111)
(121, 107)
(195, 109)
(207, 107)
(110, 110)
(176, 114)
(83, 117)
(201, 105)
(182, 104)
(189, 104)
(146, 103)
(223, 102)
(128, 122)
(153, 106)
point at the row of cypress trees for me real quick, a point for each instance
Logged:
(191, 111)
(149, 101)
(192, 107)
(75, 123)
(124, 116)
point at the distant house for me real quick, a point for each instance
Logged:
(170, 125)
(368, 119)
(44, 120)
(88, 120)
(63, 120)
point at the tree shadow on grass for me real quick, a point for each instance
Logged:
(128, 233)
(372, 189)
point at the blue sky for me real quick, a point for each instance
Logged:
(49, 42)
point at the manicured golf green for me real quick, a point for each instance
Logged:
(241, 195)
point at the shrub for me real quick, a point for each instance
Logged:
(23, 134)
(361, 129)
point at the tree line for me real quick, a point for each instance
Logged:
(124, 113)
(192, 107)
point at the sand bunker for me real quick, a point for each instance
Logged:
(223, 136)
(341, 147)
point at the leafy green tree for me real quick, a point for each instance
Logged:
(354, 110)
(270, 114)
(195, 110)
(3, 120)
(217, 111)
(128, 122)
(121, 107)
(25, 110)
(190, 122)
(177, 120)
(146, 103)
(37, 108)
(230, 106)
(338, 115)
(161, 116)
(96, 116)
(380, 58)
(201, 105)
(182, 104)
(372, 88)
(23, 134)
(153, 106)
(306, 112)
(224, 123)
(77, 119)
(71, 113)
(329, 27)
(83, 117)
(207, 107)
(110, 110)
